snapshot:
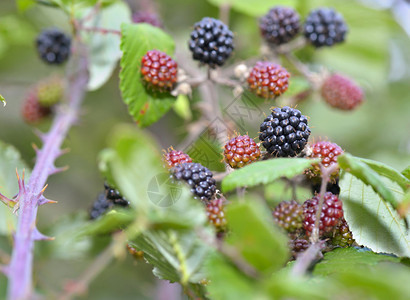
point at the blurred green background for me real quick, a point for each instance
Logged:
(376, 54)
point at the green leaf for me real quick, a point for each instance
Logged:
(10, 161)
(177, 256)
(406, 172)
(252, 8)
(254, 235)
(104, 48)
(109, 222)
(404, 206)
(227, 282)
(366, 174)
(265, 171)
(346, 259)
(145, 106)
(389, 172)
(207, 152)
(297, 85)
(182, 108)
(371, 220)
(3, 100)
(23, 5)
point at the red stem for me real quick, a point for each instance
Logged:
(19, 271)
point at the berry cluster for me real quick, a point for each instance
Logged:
(198, 177)
(279, 25)
(211, 42)
(341, 92)
(241, 151)
(325, 27)
(106, 201)
(159, 71)
(299, 221)
(173, 157)
(268, 80)
(284, 132)
(32, 111)
(53, 46)
(147, 17)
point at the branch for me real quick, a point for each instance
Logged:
(305, 260)
(31, 196)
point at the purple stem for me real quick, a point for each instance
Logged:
(31, 196)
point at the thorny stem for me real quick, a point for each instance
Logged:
(20, 269)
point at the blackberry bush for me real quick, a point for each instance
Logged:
(325, 27)
(284, 132)
(279, 25)
(241, 151)
(198, 177)
(53, 46)
(268, 80)
(211, 42)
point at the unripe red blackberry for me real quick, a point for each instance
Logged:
(159, 71)
(279, 25)
(327, 151)
(198, 177)
(211, 42)
(341, 92)
(241, 151)
(174, 157)
(53, 46)
(342, 236)
(268, 80)
(325, 27)
(216, 214)
(331, 216)
(147, 17)
(32, 110)
(284, 132)
(298, 246)
(289, 215)
(50, 91)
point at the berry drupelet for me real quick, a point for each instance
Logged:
(279, 25)
(241, 151)
(173, 157)
(198, 177)
(268, 80)
(159, 71)
(284, 132)
(211, 42)
(331, 216)
(325, 27)
(53, 46)
(341, 92)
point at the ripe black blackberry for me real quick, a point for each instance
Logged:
(100, 206)
(289, 215)
(211, 42)
(279, 25)
(325, 27)
(53, 46)
(198, 177)
(284, 132)
(115, 196)
(331, 216)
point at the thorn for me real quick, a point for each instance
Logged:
(55, 170)
(16, 208)
(43, 200)
(35, 148)
(42, 136)
(21, 183)
(7, 201)
(38, 236)
(62, 152)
